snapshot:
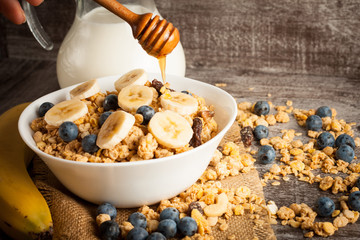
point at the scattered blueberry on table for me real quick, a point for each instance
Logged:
(357, 184)
(137, 233)
(345, 152)
(324, 111)
(147, 112)
(109, 230)
(354, 201)
(138, 219)
(261, 132)
(156, 236)
(170, 213)
(44, 107)
(325, 206)
(168, 228)
(325, 139)
(103, 117)
(88, 143)
(187, 226)
(266, 154)
(111, 102)
(107, 208)
(314, 123)
(68, 131)
(261, 108)
(345, 139)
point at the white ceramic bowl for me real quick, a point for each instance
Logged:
(133, 184)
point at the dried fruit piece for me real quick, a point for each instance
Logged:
(247, 136)
(157, 85)
(195, 205)
(195, 141)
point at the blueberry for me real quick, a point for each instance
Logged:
(354, 201)
(107, 208)
(170, 213)
(261, 108)
(109, 230)
(137, 233)
(323, 111)
(167, 227)
(68, 131)
(156, 236)
(325, 206)
(261, 132)
(147, 112)
(266, 154)
(357, 184)
(187, 92)
(138, 219)
(345, 152)
(111, 102)
(103, 117)
(325, 139)
(314, 123)
(187, 226)
(89, 143)
(345, 139)
(44, 107)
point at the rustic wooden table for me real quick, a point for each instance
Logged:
(304, 51)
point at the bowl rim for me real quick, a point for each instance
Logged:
(33, 146)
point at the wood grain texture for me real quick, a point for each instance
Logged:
(3, 43)
(307, 51)
(304, 37)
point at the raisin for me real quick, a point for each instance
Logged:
(195, 141)
(246, 136)
(194, 205)
(157, 85)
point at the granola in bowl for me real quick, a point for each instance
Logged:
(137, 120)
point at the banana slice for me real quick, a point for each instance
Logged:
(134, 96)
(115, 128)
(134, 77)
(85, 90)
(181, 103)
(170, 129)
(70, 110)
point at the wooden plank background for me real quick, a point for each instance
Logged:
(319, 37)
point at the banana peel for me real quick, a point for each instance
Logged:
(24, 213)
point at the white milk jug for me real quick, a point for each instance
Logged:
(100, 43)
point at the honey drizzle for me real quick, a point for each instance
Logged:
(162, 64)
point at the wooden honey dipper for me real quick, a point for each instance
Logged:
(157, 37)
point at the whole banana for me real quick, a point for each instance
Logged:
(24, 213)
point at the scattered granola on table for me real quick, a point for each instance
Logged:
(211, 204)
(308, 163)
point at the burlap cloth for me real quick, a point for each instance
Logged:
(74, 218)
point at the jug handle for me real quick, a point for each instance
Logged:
(35, 26)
